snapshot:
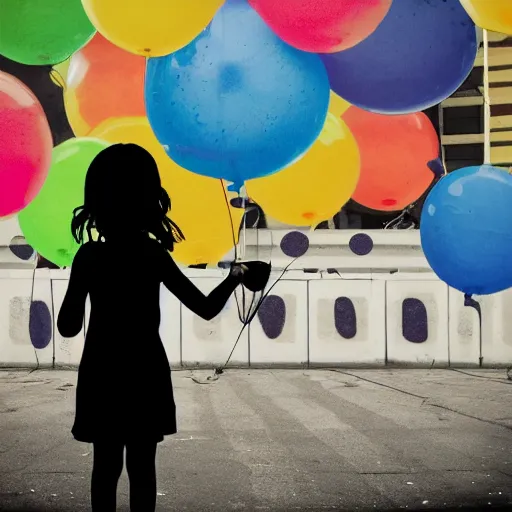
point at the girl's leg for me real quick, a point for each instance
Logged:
(107, 468)
(140, 465)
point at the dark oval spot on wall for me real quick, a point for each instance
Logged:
(295, 244)
(272, 316)
(40, 324)
(20, 248)
(23, 252)
(361, 244)
(345, 318)
(414, 321)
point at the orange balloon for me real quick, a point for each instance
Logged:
(103, 81)
(395, 152)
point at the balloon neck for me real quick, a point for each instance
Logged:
(437, 167)
(236, 187)
(57, 79)
(472, 303)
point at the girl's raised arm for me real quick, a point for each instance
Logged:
(205, 306)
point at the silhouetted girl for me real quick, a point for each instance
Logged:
(124, 396)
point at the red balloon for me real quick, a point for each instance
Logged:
(322, 26)
(25, 145)
(395, 152)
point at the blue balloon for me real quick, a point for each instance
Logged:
(466, 230)
(419, 55)
(237, 102)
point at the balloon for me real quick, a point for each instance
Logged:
(42, 31)
(25, 148)
(466, 230)
(198, 204)
(237, 103)
(337, 106)
(417, 57)
(46, 221)
(322, 26)
(315, 187)
(152, 27)
(494, 15)
(103, 81)
(395, 153)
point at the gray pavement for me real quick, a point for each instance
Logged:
(281, 440)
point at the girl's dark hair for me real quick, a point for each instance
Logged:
(123, 196)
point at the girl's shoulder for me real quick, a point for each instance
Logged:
(155, 248)
(84, 256)
(145, 249)
(86, 250)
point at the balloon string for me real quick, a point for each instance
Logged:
(252, 314)
(247, 318)
(230, 218)
(30, 313)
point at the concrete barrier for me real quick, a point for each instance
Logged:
(374, 308)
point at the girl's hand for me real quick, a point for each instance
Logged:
(256, 275)
(238, 270)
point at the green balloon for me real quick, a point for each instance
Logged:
(42, 31)
(46, 221)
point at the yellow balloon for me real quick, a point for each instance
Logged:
(151, 28)
(337, 105)
(198, 203)
(314, 188)
(494, 15)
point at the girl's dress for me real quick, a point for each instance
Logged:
(124, 388)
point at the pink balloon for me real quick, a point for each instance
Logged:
(322, 26)
(25, 145)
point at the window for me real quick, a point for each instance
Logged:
(463, 155)
(463, 120)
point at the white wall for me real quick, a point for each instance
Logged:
(383, 308)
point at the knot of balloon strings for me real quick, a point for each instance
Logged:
(245, 315)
